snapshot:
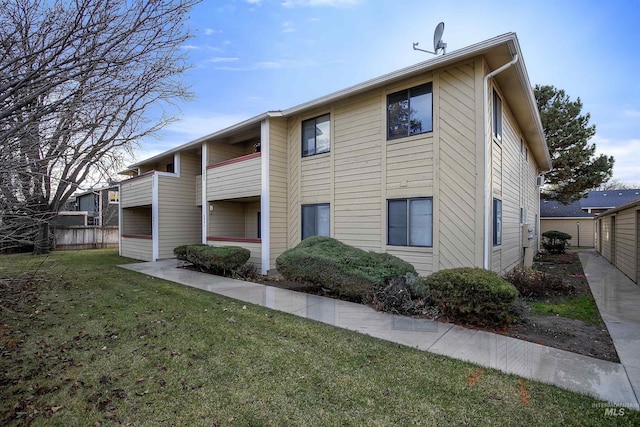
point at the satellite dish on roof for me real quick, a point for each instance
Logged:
(438, 44)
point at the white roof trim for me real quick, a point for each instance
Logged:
(510, 39)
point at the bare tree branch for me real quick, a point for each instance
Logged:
(79, 81)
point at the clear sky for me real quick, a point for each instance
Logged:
(252, 56)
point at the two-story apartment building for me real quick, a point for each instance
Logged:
(435, 163)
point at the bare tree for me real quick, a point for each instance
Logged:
(80, 81)
(616, 184)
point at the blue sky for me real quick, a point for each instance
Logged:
(251, 56)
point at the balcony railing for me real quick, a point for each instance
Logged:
(234, 178)
(136, 191)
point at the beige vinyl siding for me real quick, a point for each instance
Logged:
(136, 221)
(136, 191)
(255, 249)
(619, 239)
(137, 248)
(239, 179)
(278, 180)
(512, 193)
(219, 152)
(606, 237)
(357, 155)
(625, 246)
(459, 170)
(199, 190)
(420, 258)
(569, 226)
(293, 209)
(315, 175)
(178, 217)
(513, 181)
(160, 165)
(251, 220)
(496, 175)
(409, 167)
(227, 219)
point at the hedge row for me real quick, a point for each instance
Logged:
(220, 259)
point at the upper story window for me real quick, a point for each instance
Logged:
(114, 196)
(316, 136)
(410, 112)
(170, 168)
(497, 116)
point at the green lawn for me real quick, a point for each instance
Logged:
(582, 308)
(99, 345)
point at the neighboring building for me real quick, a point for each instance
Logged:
(570, 219)
(601, 201)
(619, 238)
(435, 163)
(90, 221)
(101, 207)
(578, 219)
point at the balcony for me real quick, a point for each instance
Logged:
(235, 178)
(136, 191)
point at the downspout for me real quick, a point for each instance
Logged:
(487, 143)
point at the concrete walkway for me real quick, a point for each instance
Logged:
(608, 381)
(618, 300)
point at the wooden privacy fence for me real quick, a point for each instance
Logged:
(85, 237)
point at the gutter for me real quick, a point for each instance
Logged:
(487, 142)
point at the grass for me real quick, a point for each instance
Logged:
(582, 308)
(100, 345)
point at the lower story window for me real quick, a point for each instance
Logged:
(410, 222)
(315, 220)
(497, 222)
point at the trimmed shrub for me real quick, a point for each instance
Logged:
(343, 269)
(555, 242)
(218, 259)
(181, 251)
(533, 283)
(472, 295)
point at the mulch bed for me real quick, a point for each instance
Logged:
(553, 331)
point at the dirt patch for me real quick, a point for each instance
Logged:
(553, 331)
(566, 334)
(560, 332)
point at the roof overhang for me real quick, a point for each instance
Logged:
(513, 82)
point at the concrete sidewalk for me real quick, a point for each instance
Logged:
(605, 380)
(618, 300)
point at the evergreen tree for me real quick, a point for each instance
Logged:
(576, 168)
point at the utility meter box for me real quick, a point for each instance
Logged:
(527, 235)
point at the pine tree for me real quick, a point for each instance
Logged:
(576, 168)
